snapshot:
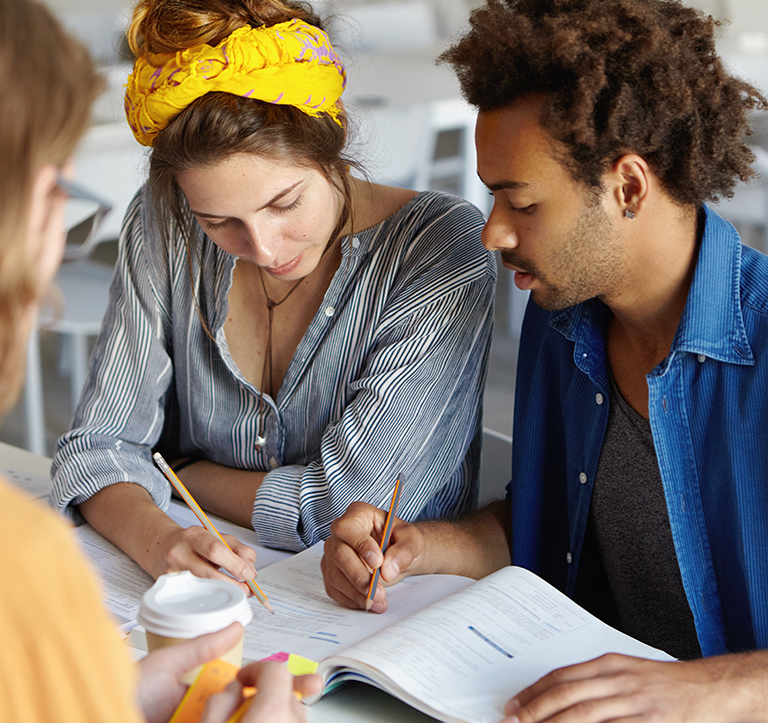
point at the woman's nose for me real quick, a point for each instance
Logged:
(264, 243)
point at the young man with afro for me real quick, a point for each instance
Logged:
(640, 460)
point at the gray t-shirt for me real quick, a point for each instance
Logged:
(630, 519)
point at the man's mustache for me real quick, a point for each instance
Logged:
(512, 259)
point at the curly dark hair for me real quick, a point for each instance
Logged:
(618, 76)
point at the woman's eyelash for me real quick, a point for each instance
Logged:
(290, 207)
(217, 224)
(214, 225)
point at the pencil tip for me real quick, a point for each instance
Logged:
(368, 605)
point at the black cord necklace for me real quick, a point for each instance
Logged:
(266, 381)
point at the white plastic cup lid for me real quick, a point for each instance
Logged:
(180, 605)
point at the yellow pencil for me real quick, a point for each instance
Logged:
(204, 521)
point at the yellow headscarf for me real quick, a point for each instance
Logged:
(291, 63)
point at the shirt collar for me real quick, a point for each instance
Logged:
(712, 323)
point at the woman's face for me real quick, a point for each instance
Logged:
(275, 214)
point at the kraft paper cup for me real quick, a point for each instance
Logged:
(180, 606)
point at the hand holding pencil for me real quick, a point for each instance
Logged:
(353, 555)
(207, 524)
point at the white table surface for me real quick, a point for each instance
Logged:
(356, 702)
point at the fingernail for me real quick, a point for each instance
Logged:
(371, 558)
(377, 607)
(393, 570)
(511, 708)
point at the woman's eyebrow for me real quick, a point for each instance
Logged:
(276, 198)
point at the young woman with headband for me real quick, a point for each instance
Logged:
(290, 337)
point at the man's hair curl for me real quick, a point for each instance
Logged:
(618, 76)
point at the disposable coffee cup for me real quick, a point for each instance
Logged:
(180, 606)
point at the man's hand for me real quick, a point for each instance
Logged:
(614, 687)
(274, 701)
(160, 688)
(353, 552)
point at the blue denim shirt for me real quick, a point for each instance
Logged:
(708, 407)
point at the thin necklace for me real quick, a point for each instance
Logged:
(261, 440)
(271, 304)
(267, 368)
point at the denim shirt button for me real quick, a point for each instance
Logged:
(583, 478)
(599, 398)
(568, 557)
(701, 358)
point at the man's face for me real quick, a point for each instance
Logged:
(552, 231)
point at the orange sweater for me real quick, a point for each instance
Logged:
(60, 657)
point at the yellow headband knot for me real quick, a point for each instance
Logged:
(291, 63)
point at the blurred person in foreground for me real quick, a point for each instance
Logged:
(639, 477)
(61, 658)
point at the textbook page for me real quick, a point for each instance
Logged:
(464, 657)
(307, 622)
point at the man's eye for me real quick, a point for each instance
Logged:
(524, 209)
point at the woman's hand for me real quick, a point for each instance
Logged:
(160, 689)
(276, 700)
(202, 553)
(127, 515)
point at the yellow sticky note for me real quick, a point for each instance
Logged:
(301, 666)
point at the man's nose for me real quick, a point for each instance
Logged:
(499, 232)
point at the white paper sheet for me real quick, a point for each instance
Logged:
(36, 485)
(309, 623)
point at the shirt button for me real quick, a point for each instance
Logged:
(273, 463)
(568, 557)
(599, 398)
(583, 478)
(329, 311)
(701, 358)
(355, 242)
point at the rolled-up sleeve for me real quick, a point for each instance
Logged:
(121, 412)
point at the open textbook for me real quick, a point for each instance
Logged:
(454, 648)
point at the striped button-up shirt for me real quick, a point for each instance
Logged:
(387, 380)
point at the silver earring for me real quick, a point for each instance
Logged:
(629, 214)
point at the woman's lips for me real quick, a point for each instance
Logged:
(285, 268)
